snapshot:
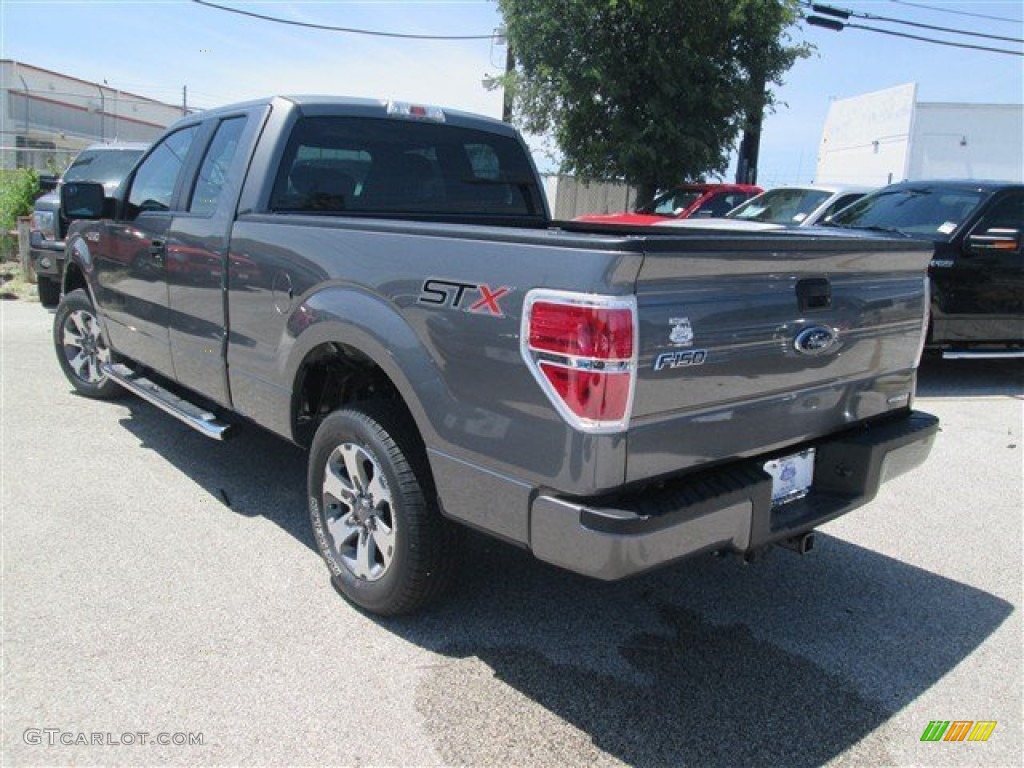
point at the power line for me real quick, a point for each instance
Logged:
(838, 26)
(844, 14)
(958, 13)
(937, 42)
(350, 30)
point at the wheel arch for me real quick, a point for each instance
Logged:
(78, 263)
(74, 278)
(369, 353)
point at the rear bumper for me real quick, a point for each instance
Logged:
(729, 508)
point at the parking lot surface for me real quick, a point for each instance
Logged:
(157, 584)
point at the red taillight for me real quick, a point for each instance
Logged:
(582, 331)
(590, 395)
(580, 349)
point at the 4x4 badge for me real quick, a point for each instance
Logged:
(682, 332)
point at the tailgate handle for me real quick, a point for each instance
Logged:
(814, 293)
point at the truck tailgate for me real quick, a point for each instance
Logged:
(750, 344)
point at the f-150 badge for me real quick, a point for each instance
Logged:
(682, 332)
(680, 359)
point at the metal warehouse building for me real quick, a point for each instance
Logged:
(886, 136)
(47, 117)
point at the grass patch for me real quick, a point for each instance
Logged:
(13, 286)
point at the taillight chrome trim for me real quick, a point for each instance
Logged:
(534, 357)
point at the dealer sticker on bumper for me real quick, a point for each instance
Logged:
(791, 476)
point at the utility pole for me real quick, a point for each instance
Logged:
(184, 100)
(510, 65)
(750, 145)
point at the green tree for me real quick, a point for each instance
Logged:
(653, 92)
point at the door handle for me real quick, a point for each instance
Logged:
(157, 249)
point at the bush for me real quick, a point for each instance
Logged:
(18, 190)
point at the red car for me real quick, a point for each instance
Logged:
(684, 201)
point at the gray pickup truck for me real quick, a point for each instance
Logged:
(381, 283)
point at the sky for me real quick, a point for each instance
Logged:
(159, 47)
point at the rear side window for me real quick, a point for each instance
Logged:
(213, 173)
(394, 167)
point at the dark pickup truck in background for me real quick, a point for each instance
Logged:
(977, 270)
(381, 282)
(107, 164)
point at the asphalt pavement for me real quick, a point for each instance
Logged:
(158, 586)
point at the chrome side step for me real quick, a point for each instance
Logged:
(200, 420)
(982, 354)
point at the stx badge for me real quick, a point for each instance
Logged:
(469, 297)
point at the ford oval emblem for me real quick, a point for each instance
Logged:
(816, 340)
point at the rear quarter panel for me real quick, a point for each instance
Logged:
(391, 290)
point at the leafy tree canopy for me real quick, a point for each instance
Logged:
(651, 91)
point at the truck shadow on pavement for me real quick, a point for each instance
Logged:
(255, 474)
(786, 661)
(970, 378)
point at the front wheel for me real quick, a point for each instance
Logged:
(81, 348)
(374, 519)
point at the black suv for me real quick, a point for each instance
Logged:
(977, 270)
(104, 163)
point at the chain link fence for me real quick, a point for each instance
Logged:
(47, 158)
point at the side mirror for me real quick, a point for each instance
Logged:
(82, 200)
(1004, 240)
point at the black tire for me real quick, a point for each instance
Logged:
(375, 520)
(81, 347)
(49, 292)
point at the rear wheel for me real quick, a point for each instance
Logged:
(376, 524)
(81, 348)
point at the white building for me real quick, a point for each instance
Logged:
(47, 117)
(888, 136)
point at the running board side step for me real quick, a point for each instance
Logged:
(199, 419)
(982, 354)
